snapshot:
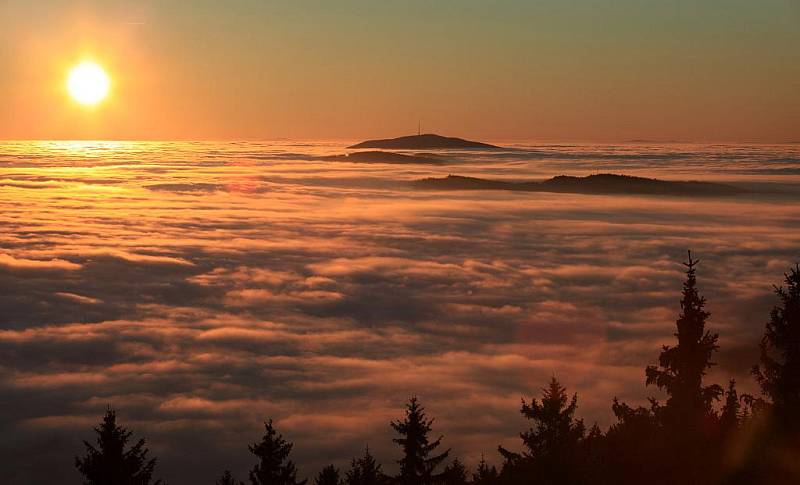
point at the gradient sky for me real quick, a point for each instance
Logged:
(534, 70)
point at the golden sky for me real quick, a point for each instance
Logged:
(501, 70)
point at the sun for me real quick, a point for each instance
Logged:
(88, 83)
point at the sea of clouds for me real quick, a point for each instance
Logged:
(200, 288)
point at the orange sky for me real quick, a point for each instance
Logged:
(723, 71)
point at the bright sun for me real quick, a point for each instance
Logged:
(88, 83)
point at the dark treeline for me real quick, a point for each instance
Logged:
(703, 433)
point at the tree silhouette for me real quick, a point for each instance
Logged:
(637, 432)
(551, 445)
(110, 463)
(274, 466)
(365, 471)
(730, 415)
(683, 366)
(227, 479)
(455, 473)
(688, 420)
(778, 373)
(328, 476)
(484, 474)
(417, 465)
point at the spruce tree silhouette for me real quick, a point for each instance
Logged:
(328, 476)
(484, 474)
(365, 471)
(632, 448)
(110, 463)
(688, 418)
(552, 445)
(274, 466)
(455, 473)
(683, 366)
(730, 415)
(778, 373)
(227, 479)
(417, 466)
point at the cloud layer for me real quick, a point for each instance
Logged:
(200, 288)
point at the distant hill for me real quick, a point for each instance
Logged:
(424, 142)
(592, 184)
(377, 156)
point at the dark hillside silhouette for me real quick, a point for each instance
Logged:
(604, 183)
(377, 156)
(112, 461)
(424, 142)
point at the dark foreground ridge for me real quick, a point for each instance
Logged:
(423, 142)
(593, 184)
(377, 156)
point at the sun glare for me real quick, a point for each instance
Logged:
(88, 83)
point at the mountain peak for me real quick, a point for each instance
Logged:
(425, 141)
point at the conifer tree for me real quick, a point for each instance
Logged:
(484, 474)
(682, 367)
(556, 428)
(418, 465)
(779, 371)
(365, 471)
(110, 463)
(328, 476)
(687, 420)
(552, 444)
(227, 479)
(455, 473)
(274, 466)
(633, 452)
(731, 411)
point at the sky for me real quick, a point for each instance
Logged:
(502, 70)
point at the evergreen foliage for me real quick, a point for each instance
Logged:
(682, 367)
(418, 464)
(485, 474)
(328, 476)
(778, 373)
(455, 473)
(274, 466)
(227, 479)
(112, 462)
(365, 471)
